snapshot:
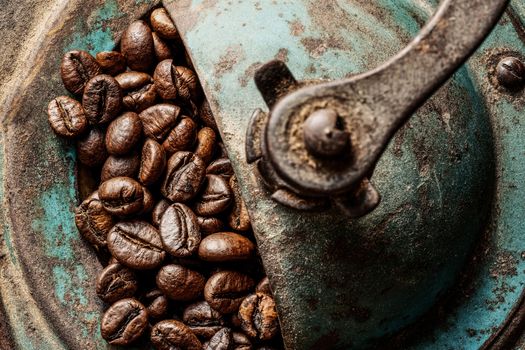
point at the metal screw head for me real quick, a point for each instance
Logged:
(511, 73)
(324, 134)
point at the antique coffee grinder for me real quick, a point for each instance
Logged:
(380, 150)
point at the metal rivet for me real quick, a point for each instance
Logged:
(511, 73)
(324, 134)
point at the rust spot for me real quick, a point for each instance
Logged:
(282, 55)
(505, 265)
(227, 61)
(248, 73)
(296, 28)
(258, 6)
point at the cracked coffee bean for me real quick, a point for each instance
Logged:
(172, 334)
(91, 148)
(164, 81)
(185, 82)
(93, 221)
(214, 198)
(124, 322)
(179, 231)
(225, 246)
(136, 244)
(66, 117)
(111, 62)
(258, 316)
(203, 320)
(102, 99)
(184, 176)
(152, 162)
(180, 283)
(158, 120)
(138, 89)
(76, 69)
(116, 282)
(136, 45)
(225, 290)
(123, 134)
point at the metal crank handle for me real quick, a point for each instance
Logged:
(324, 139)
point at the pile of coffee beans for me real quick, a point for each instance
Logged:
(167, 221)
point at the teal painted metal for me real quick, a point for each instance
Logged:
(52, 305)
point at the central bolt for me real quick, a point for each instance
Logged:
(511, 73)
(324, 134)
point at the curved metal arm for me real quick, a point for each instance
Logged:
(374, 105)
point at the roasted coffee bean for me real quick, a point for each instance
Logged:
(238, 218)
(184, 176)
(158, 211)
(215, 196)
(76, 69)
(172, 334)
(235, 320)
(162, 23)
(152, 162)
(102, 99)
(203, 320)
(139, 90)
(123, 134)
(124, 322)
(91, 148)
(185, 82)
(225, 246)
(159, 119)
(205, 144)
(264, 287)
(206, 116)
(179, 231)
(241, 341)
(182, 136)
(137, 45)
(121, 196)
(164, 81)
(222, 340)
(116, 282)
(93, 221)
(221, 166)
(157, 304)
(209, 224)
(148, 203)
(127, 166)
(136, 244)
(66, 117)
(259, 316)
(111, 62)
(180, 283)
(225, 290)
(162, 50)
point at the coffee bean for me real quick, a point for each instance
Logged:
(225, 246)
(241, 341)
(124, 322)
(222, 340)
(186, 83)
(179, 231)
(137, 45)
(205, 144)
(121, 196)
(111, 62)
(158, 211)
(136, 244)
(235, 321)
(126, 166)
(123, 134)
(156, 304)
(264, 287)
(182, 136)
(91, 148)
(202, 319)
(93, 221)
(238, 218)
(184, 176)
(225, 290)
(164, 81)
(161, 48)
(152, 162)
(259, 316)
(215, 196)
(209, 224)
(102, 99)
(116, 282)
(66, 117)
(148, 203)
(76, 69)
(221, 166)
(206, 116)
(180, 283)
(158, 120)
(162, 23)
(172, 334)
(139, 90)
